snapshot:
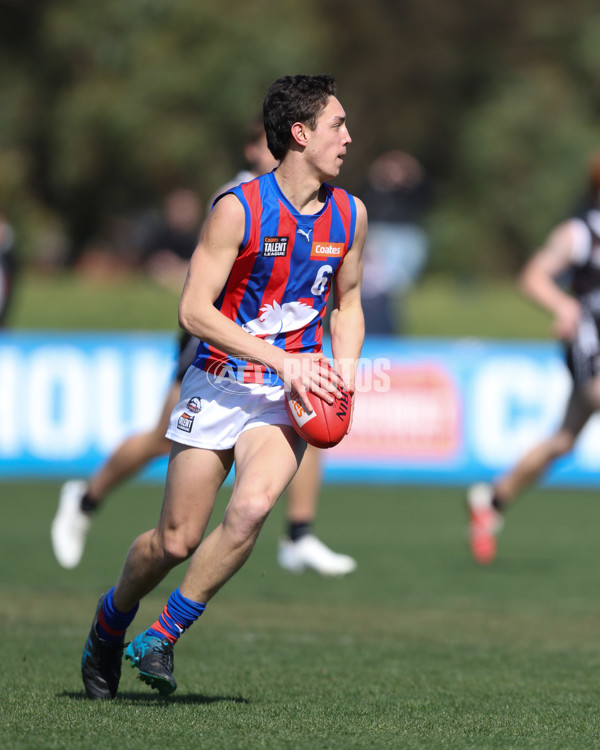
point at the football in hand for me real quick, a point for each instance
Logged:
(326, 425)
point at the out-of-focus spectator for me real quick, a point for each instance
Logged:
(170, 242)
(397, 196)
(159, 241)
(7, 267)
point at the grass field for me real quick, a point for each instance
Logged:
(419, 648)
(441, 307)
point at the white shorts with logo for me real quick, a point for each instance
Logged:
(212, 413)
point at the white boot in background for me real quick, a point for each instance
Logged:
(309, 553)
(70, 525)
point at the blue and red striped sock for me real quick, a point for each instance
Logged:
(112, 623)
(177, 616)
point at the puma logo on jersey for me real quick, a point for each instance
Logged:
(305, 234)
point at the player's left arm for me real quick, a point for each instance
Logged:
(347, 322)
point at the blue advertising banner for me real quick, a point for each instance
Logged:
(443, 411)
(67, 399)
(427, 411)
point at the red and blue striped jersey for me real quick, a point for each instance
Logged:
(280, 281)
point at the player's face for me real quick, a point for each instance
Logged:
(329, 139)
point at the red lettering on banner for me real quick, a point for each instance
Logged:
(418, 418)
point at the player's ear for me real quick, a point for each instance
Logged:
(300, 133)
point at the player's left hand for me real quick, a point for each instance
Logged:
(566, 320)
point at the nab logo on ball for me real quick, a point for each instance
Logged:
(326, 425)
(343, 409)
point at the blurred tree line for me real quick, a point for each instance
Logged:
(104, 107)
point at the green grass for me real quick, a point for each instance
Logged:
(435, 307)
(67, 301)
(419, 648)
(485, 309)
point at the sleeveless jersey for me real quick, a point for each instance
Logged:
(583, 354)
(585, 280)
(280, 281)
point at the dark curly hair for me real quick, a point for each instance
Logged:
(293, 99)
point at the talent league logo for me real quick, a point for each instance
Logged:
(275, 247)
(185, 422)
(321, 250)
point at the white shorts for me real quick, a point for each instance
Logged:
(211, 416)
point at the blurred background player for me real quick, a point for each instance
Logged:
(572, 249)
(299, 549)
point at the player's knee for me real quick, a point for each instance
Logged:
(563, 443)
(248, 516)
(175, 548)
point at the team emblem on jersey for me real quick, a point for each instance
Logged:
(185, 422)
(321, 250)
(194, 404)
(275, 319)
(275, 247)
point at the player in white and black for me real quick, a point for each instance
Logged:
(572, 251)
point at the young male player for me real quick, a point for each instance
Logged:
(574, 247)
(299, 550)
(256, 290)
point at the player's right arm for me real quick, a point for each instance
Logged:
(538, 279)
(209, 270)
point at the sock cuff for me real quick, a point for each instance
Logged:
(178, 604)
(177, 616)
(112, 623)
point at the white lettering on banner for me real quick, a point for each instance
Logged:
(58, 402)
(10, 377)
(106, 385)
(57, 407)
(516, 401)
(127, 401)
